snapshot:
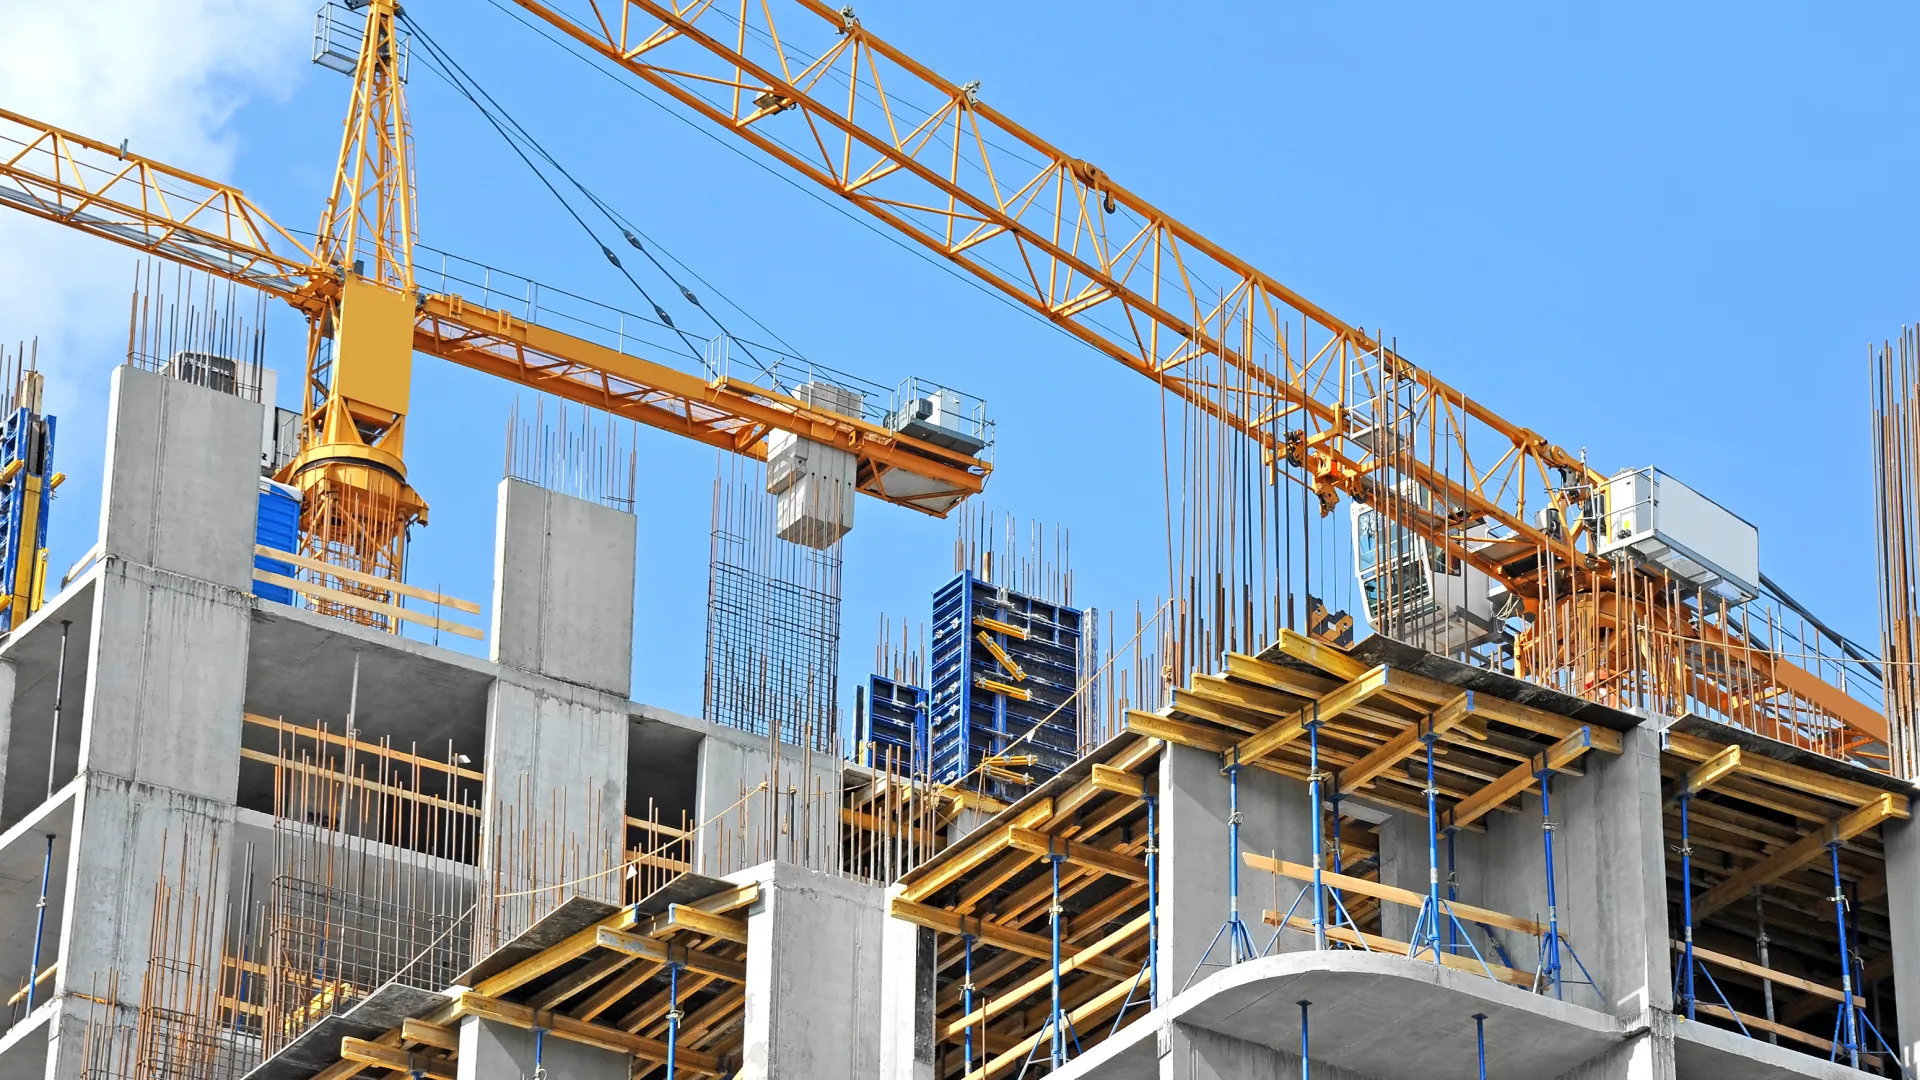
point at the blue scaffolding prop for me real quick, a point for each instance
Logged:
(1320, 891)
(1304, 1044)
(1851, 1019)
(966, 998)
(1480, 1039)
(1683, 980)
(1426, 927)
(1233, 931)
(673, 1009)
(1058, 1034)
(1550, 974)
(1150, 968)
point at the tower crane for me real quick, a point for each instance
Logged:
(810, 86)
(367, 316)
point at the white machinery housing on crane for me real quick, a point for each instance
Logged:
(1669, 527)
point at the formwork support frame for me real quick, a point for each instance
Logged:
(1683, 989)
(1426, 927)
(1149, 968)
(1233, 931)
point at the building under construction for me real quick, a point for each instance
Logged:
(1442, 753)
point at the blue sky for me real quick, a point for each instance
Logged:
(1661, 234)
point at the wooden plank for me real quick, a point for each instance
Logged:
(1287, 680)
(1704, 775)
(355, 600)
(1118, 781)
(1780, 978)
(1076, 1018)
(976, 851)
(1393, 894)
(1346, 936)
(647, 948)
(1541, 722)
(1000, 937)
(425, 1034)
(1518, 779)
(1795, 777)
(372, 749)
(1286, 730)
(1755, 1023)
(307, 768)
(598, 1035)
(433, 1066)
(361, 578)
(575, 982)
(1093, 858)
(1794, 856)
(1008, 999)
(1167, 729)
(1325, 657)
(693, 920)
(1390, 753)
(554, 957)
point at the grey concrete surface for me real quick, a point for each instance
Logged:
(1902, 842)
(1194, 858)
(906, 1000)
(563, 588)
(732, 762)
(182, 478)
(1705, 1052)
(813, 997)
(494, 1051)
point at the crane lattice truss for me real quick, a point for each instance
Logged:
(173, 214)
(813, 88)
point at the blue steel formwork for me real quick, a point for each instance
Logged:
(971, 721)
(897, 721)
(25, 500)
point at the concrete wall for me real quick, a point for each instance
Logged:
(563, 588)
(493, 1051)
(160, 713)
(814, 974)
(732, 762)
(907, 996)
(1902, 840)
(1194, 858)
(1609, 876)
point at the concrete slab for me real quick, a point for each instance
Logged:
(23, 1049)
(1705, 1052)
(319, 1046)
(1387, 1016)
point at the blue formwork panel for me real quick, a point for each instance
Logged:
(897, 721)
(278, 527)
(971, 719)
(25, 505)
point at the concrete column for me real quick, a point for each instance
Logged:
(1646, 1056)
(907, 995)
(1194, 859)
(556, 755)
(1902, 842)
(494, 1051)
(160, 712)
(563, 588)
(737, 829)
(1612, 850)
(814, 1004)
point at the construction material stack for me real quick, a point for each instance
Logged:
(27, 481)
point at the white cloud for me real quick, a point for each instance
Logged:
(169, 78)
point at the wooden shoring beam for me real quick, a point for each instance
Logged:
(575, 982)
(1522, 777)
(1078, 1017)
(1778, 978)
(1393, 894)
(1008, 999)
(983, 883)
(1283, 731)
(650, 1012)
(616, 988)
(363, 1053)
(976, 851)
(660, 952)
(596, 1035)
(1376, 943)
(1758, 1023)
(421, 1033)
(1795, 855)
(994, 934)
(577, 945)
(1118, 781)
(1707, 773)
(1082, 855)
(1795, 777)
(685, 917)
(1391, 752)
